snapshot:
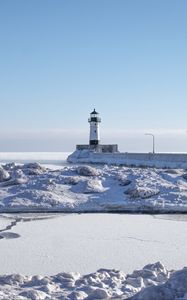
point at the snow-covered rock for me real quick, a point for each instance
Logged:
(34, 165)
(94, 186)
(185, 176)
(124, 181)
(88, 171)
(98, 294)
(141, 192)
(4, 175)
(173, 171)
(34, 295)
(33, 169)
(10, 166)
(71, 180)
(88, 186)
(17, 177)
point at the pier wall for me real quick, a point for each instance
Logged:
(162, 160)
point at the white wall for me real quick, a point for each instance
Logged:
(162, 160)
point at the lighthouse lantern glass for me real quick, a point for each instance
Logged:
(94, 115)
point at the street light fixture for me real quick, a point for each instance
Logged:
(153, 140)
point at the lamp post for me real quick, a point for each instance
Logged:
(153, 140)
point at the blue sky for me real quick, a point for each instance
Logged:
(61, 58)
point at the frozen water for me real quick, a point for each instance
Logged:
(43, 157)
(88, 242)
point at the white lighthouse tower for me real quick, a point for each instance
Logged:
(94, 140)
(94, 121)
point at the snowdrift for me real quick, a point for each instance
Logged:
(153, 282)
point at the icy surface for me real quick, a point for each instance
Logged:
(153, 282)
(50, 243)
(75, 188)
(43, 157)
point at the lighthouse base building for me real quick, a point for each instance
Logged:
(99, 148)
(94, 140)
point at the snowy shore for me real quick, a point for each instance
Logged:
(152, 282)
(75, 188)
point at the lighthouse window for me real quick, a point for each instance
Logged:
(95, 131)
(95, 124)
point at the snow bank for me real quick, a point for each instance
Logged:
(173, 289)
(150, 283)
(72, 188)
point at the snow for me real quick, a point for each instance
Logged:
(174, 288)
(152, 282)
(4, 221)
(50, 243)
(84, 188)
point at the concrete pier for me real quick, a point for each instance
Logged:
(158, 160)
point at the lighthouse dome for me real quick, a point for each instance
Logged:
(94, 112)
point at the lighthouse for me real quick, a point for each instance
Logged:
(94, 121)
(94, 139)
